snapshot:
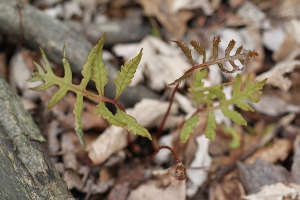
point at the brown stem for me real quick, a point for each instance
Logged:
(167, 113)
(165, 147)
(115, 102)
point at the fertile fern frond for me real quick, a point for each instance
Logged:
(241, 55)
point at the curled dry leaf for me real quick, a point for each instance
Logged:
(278, 151)
(276, 191)
(178, 172)
(276, 75)
(175, 23)
(150, 191)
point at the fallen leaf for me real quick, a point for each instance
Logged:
(277, 191)
(295, 171)
(276, 75)
(260, 173)
(205, 5)
(149, 191)
(174, 22)
(20, 73)
(196, 177)
(272, 105)
(277, 151)
(69, 156)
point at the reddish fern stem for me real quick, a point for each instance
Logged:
(164, 147)
(118, 104)
(167, 113)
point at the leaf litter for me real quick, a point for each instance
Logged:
(96, 174)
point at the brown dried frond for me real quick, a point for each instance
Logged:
(242, 55)
(186, 50)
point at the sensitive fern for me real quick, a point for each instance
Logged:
(93, 69)
(204, 97)
(242, 55)
(209, 95)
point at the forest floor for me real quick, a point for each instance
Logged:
(257, 161)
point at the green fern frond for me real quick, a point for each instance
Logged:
(188, 127)
(78, 113)
(211, 125)
(102, 111)
(126, 74)
(198, 96)
(93, 69)
(250, 92)
(132, 125)
(99, 72)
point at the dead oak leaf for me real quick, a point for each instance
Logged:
(175, 22)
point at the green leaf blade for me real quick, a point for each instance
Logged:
(188, 127)
(58, 96)
(234, 116)
(99, 73)
(78, 113)
(102, 110)
(126, 74)
(87, 67)
(132, 125)
(210, 128)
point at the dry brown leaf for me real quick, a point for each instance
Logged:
(296, 160)
(149, 112)
(175, 23)
(150, 191)
(73, 180)
(277, 191)
(192, 4)
(20, 73)
(289, 9)
(278, 151)
(29, 104)
(290, 45)
(53, 143)
(276, 75)
(227, 189)
(69, 156)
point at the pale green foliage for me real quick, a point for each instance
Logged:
(103, 111)
(188, 127)
(126, 74)
(210, 126)
(236, 140)
(208, 95)
(132, 125)
(93, 69)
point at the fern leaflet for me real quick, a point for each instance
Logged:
(126, 74)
